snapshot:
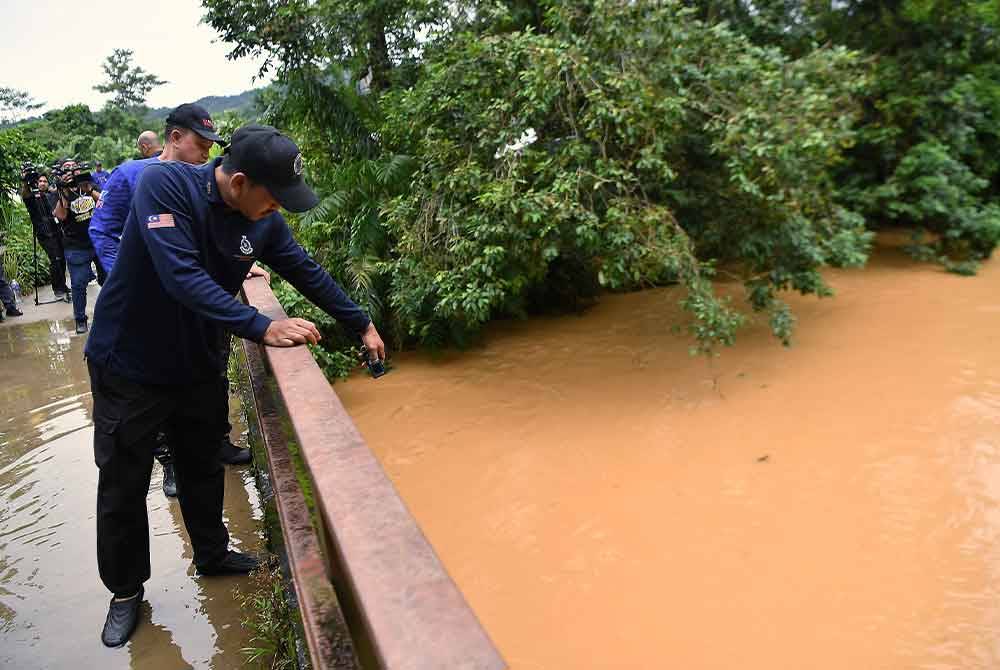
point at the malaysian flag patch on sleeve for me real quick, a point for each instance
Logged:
(160, 221)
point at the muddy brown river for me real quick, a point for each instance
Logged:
(52, 602)
(604, 500)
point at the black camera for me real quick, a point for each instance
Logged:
(374, 365)
(29, 174)
(72, 175)
(81, 174)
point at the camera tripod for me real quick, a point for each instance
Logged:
(34, 273)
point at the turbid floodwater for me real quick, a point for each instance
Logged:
(604, 500)
(52, 602)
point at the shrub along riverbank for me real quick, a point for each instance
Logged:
(487, 159)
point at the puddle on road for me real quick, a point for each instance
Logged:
(606, 501)
(52, 602)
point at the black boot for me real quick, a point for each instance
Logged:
(233, 563)
(231, 454)
(169, 480)
(121, 621)
(14, 311)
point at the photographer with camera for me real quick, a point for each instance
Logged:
(37, 200)
(76, 198)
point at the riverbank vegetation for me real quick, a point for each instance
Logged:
(487, 159)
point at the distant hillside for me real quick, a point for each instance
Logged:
(215, 104)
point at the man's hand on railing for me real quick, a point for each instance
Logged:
(373, 341)
(293, 331)
(257, 271)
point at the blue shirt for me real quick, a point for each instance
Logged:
(100, 178)
(163, 313)
(109, 216)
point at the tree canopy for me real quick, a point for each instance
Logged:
(129, 84)
(15, 103)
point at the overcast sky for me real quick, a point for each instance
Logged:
(54, 50)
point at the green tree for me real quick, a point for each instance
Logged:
(927, 152)
(662, 148)
(15, 227)
(14, 103)
(129, 84)
(16, 148)
(375, 41)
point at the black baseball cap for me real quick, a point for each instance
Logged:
(274, 161)
(194, 117)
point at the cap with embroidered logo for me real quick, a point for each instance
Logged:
(194, 117)
(272, 160)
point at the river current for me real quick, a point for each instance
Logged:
(605, 500)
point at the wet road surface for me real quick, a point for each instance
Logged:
(52, 602)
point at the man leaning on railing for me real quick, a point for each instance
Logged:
(154, 351)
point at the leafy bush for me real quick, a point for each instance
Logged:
(664, 146)
(521, 155)
(17, 242)
(927, 155)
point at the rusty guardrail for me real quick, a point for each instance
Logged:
(371, 591)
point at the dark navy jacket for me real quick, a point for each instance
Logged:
(109, 217)
(162, 316)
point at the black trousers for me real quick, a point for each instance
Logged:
(162, 449)
(53, 247)
(127, 417)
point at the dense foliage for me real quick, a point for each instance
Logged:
(522, 155)
(18, 255)
(15, 227)
(927, 155)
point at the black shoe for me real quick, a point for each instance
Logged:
(169, 481)
(234, 563)
(67, 297)
(121, 621)
(14, 312)
(81, 327)
(233, 455)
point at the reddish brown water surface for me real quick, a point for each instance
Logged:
(52, 602)
(606, 501)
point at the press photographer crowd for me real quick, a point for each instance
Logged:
(61, 204)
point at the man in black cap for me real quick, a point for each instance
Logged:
(190, 133)
(154, 352)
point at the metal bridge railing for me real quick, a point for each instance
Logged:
(371, 591)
